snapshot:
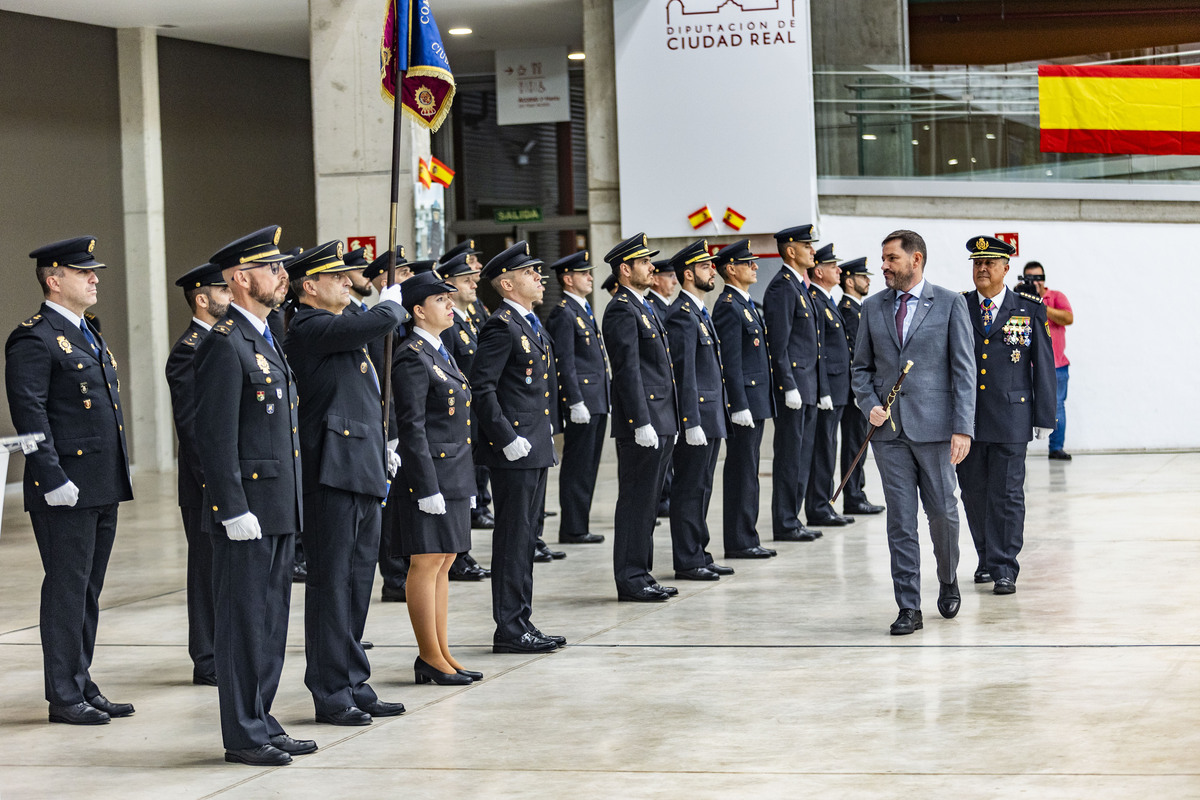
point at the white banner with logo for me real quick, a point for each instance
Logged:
(714, 112)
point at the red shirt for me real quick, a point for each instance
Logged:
(1058, 333)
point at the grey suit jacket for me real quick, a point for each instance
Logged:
(938, 398)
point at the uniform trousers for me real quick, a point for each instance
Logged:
(74, 544)
(253, 585)
(392, 566)
(820, 479)
(342, 530)
(909, 469)
(854, 432)
(520, 499)
(795, 429)
(199, 592)
(741, 488)
(992, 477)
(691, 493)
(483, 497)
(582, 446)
(640, 475)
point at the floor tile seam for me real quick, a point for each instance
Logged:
(298, 766)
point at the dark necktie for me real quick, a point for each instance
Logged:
(901, 314)
(91, 340)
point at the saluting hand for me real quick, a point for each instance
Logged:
(392, 293)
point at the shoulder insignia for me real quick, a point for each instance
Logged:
(787, 277)
(1032, 297)
(224, 327)
(89, 315)
(34, 320)
(966, 291)
(415, 347)
(562, 303)
(192, 339)
(687, 306)
(622, 298)
(728, 298)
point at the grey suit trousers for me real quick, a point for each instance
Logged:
(909, 469)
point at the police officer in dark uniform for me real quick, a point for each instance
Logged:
(835, 357)
(1015, 401)
(479, 314)
(246, 404)
(609, 284)
(584, 394)
(515, 392)
(62, 381)
(645, 418)
(795, 355)
(700, 393)
(207, 295)
(747, 366)
(346, 463)
(662, 298)
(856, 282)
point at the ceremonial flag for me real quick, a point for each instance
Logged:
(733, 219)
(411, 36)
(439, 172)
(699, 217)
(1152, 110)
(423, 174)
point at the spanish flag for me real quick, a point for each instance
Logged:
(423, 174)
(733, 219)
(412, 47)
(1150, 110)
(439, 172)
(700, 216)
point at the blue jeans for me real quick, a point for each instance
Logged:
(1060, 430)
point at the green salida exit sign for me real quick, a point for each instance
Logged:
(516, 215)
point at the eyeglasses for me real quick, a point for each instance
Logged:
(274, 266)
(1038, 278)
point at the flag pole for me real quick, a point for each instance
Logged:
(397, 111)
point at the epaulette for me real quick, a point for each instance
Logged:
(623, 298)
(192, 339)
(562, 303)
(224, 327)
(1032, 297)
(89, 315)
(728, 298)
(687, 306)
(506, 313)
(416, 347)
(34, 320)
(966, 291)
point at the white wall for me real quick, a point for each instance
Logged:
(1135, 372)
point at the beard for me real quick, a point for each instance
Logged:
(363, 290)
(218, 310)
(706, 287)
(265, 295)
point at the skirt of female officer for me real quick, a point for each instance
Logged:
(433, 533)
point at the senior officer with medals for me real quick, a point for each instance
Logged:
(700, 394)
(747, 367)
(346, 463)
(208, 297)
(516, 401)
(1015, 401)
(645, 418)
(856, 283)
(795, 354)
(62, 381)
(583, 384)
(246, 403)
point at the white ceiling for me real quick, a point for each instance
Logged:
(281, 26)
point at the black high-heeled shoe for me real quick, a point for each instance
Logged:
(474, 676)
(425, 673)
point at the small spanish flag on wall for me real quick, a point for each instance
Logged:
(733, 219)
(439, 172)
(1151, 110)
(700, 217)
(423, 174)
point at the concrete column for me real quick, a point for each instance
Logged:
(352, 127)
(600, 99)
(147, 398)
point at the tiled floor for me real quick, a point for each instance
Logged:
(780, 681)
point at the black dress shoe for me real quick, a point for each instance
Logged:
(1005, 586)
(482, 519)
(583, 538)
(266, 755)
(346, 717)
(802, 535)
(474, 676)
(204, 678)
(864, 508)
(1059, 455)
(542, 556)
(647, 594)
(948, 599)
(908, 621)
(78, 714)
(391, 595)
(669, 591)
(697, 574)
(750, 552)
(557, 555)
(381, 709)
(982, 575)
(526, 643)
(465, 573)
(815, 534)
(834, 521)
(720, 569)
(114, 710)
(293, 747)
(299, 575)
(558, 640)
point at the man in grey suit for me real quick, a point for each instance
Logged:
(928, 429)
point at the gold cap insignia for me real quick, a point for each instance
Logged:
(340, 250)
(704, 244)
(527, 248)
(278, 231)
(91, 245)
(471, 244)
(981, 244)
(400, 248)
(645, 241)
(585, 255)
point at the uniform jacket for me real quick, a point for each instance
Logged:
(246, 406)
(661, 309)
(433, 421)
(1014, 363)
(181, 379)
(461, 340)
(57, 386)
(792, 333)
(851, 311)
(583, 372)
(514, 385)
(696, 361)
(643, 383)
(835, 351)
(376, 349)
(479, 313)
(745, 355)
(938, 397)
(341, 416)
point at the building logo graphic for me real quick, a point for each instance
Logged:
(719, 24)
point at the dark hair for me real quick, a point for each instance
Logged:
(297, 284)
(46, 272)
(189, 294)
(845, 276)
(910, 241)
(1033, 265)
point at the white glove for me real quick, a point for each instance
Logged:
(825, 403)
(645, 436)
(695, 436)
(243, 528)
(65, 495)
(791, 399)
(742, 418)
(580, 414)
(393, 463)
(1039, 433)
(433, 505)
(391, 293)
(517, 448)
(472, 502)
(393, 444)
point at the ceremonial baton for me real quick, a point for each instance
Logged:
(887, 406)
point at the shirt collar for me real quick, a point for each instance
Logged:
(745, 295)
(852, 298)
(998, 299)
(202, 323)
(823, 290)
(71, 316)
(799, 277)
(464, 316)
(699, 303)
(581, 300)
(664, 300)
(520, 308)
(432, 338)
(915, 291)
(259, 325)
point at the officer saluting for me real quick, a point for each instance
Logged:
(62, 381)
(246, 403)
